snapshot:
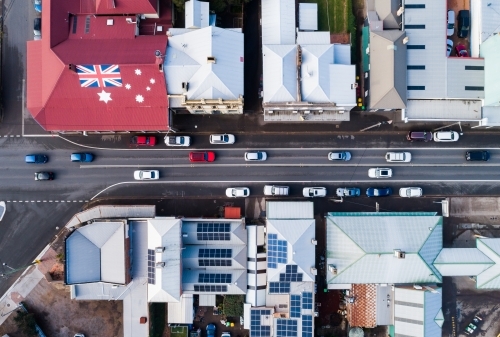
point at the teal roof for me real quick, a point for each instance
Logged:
(361, 247)
(489, 50)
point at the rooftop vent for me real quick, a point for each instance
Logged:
(185, 87)
(314, 271)
(160, 264)
(184, 235)
(399, 254)
(313, 241)
(406, 40)
(332, 269)
(159, 249)
(210, 59)
(109, 22)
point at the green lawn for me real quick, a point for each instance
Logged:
(333, 15)
(178, 331)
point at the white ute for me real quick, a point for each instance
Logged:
(402, 157)
(276, 190)
(177, 140)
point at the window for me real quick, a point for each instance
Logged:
(415, 46)
(415, 67)
(474, 68)
(415, 6)
(414, 26)
(416, 87)
(474, 88)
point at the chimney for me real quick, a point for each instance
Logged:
(399, 254)
(72, 67)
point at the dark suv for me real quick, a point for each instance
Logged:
(477, 155)
(463, 19)
(424, 136)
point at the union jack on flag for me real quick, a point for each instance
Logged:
(101, 75)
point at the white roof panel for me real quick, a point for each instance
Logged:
(308, 16)
(443, 109)
(313, 38)
(197, 14)
(181, 312)
(278, 21)
(342, 77)
(465, 78)
(290, 210)
(279, 72)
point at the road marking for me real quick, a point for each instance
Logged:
(391, 165)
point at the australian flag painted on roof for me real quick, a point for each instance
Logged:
(103, 75)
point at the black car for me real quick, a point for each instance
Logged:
(477, 156)
(44, 176)
(463, 19)
(378, 191)
(424, 136)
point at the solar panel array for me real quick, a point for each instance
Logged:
(279, 287)
(214, 263)
(215, 253)
(151, 266)
(307, 300)
(214, 231)
(291, 274)
(256, 328)
(295, 306)
(307, 326)
(286, 328)
(203, 288)
(214, 278)
(277, 251)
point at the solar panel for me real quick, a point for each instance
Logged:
(214, 278)
(307, 300)
(286, 328)
(151, 266)
(307, 326)
(210, 288)
(215, 253)
(276, 251)
(214, 263)
(213, 231)
(291, 274)
(295, 306)
(279, 287)
(256, 328)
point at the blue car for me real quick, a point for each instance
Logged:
(211, 330)
(378, 191)
(82, 157)
(36, 159)
(38, 5)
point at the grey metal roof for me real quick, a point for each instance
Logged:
(278, 21)
(490, 49)
(443, 109)
(462, 262)
(280, 73)
(83, 260)
(387, 12)
(490, 278)
(196, 14)
(290, 210)
(485, 16)
(112, 212)
(308, 16)
(237, 231)
(181, 312)
(387, 70)
(459, 78)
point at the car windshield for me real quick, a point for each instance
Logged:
(181, 140)
(151, 174)
(224, 138)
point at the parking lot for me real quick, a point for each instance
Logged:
(456, 6)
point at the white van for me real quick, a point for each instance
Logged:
(276, 190)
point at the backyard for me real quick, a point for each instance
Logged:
(335, 16)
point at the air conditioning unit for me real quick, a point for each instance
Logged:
(332, 269)
(314, 242)
(307, 112)
(294, 111)
(314, 271)
(159, 249)
(270, 112)
(160, 264)
(399, 254)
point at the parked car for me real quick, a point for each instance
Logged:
(82, 157)
(463, 19)
(177, 140)
(36, 159)
(37, 27)
(424, 136)
(2, 209)
(226, 334)
(410, 192)
(348, 192)
(211, 330)
(222, 139)
(398, 157)
(255, 156)
(450, 27)
(449, 47)
(446, 136)
(342, 155)
(143, 140)
(380, 172)
(202, 156)
(378, 191)
(237, 192)
(461, 50)
(146, 175)
(314, 192)
(38, 5)
(276, 190)
(477, 156)
(44, 176)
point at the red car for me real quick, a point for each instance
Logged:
(143, 140)
(461, 51)
(202, 156)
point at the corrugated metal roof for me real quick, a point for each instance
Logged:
(490, 278)
(443, 109)
(313, 38)
(105, 211)
(181, 312)
(280, 73)
(387, 12)
(186, 61)
(278, 21)
(341, 54)
(197, 14)
(459, 78)
(207, 300)
(490, 50)
(485, 15)
(135, 306)
(315, 84)
(237, 230)
(342, 77)
(308, 16)
(83, 260)
(290, 210)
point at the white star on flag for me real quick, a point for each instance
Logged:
(152, 81)
(104, 96)
(138, 72)
(128, 86)
(148, 88)
(139, 99)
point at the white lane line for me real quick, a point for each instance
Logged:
(138, 166)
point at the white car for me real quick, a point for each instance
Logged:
(177, 140)
(2, 209)
(313, 192)
(237, 192)
(380, 172)
(410, 192)
(398, 157)
(255, 156)
(342, 155)
(449, 47)
(226, 334)
(450, 27)
(222, 139)
(146, 175)
(446, 136)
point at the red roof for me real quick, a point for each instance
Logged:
(119, 6)
(56, 98)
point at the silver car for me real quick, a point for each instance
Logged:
(222, 139)
(380, 173)
(410, 192)
(314, 192)
(146, 175)
(237, 192)
(342, 155)
(255, 156)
